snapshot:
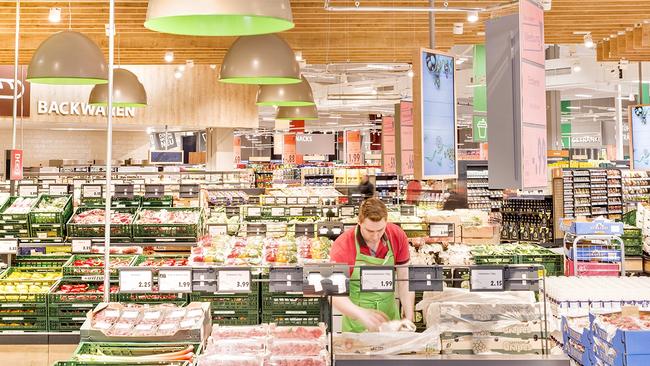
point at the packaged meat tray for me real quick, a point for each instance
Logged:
(222, 332)
(89, 223)
(300, 333)
(627, 334)
(321, 360)
(231, 360)
(294, 347)
(237, 346)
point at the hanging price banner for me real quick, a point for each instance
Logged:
(380, 279)
(486, 279)
(237, 281)
(8, 246)
(174, 280)
(136, 280)
(80, 246)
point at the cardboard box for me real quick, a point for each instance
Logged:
(477, 235)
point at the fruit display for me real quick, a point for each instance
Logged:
(313, 249)
(20, 206)
(97, 216)
(51, 204)
(228, 251)
(163, 216)
(117, 250)
(24, 287)
(280, 251)
(32, 274)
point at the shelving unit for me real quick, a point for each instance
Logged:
(479, 194)
(636, 188)
(593, 192)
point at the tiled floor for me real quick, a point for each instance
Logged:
(34, 355)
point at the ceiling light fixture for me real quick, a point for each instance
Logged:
(264, 60)
(306, 113)
(178, 73)
(410, 73)
(55, 15)
(68, 58)
(219, 17)
(588, 41)
(577, 67)
(169, 56)
(287, 95)
(472, 16)
(458, 28)
(127, 91)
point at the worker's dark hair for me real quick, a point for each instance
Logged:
(373, 209)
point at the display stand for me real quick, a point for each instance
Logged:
(602, 253)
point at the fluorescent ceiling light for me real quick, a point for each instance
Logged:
(573, 108)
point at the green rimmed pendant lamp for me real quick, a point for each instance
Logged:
(219, 17)
(127, 91)
(68, 58)
(288, 95)
(265, 60)
(306, 113)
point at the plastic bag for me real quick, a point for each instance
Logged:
(377, 343)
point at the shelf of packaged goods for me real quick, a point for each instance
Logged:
(637, 178)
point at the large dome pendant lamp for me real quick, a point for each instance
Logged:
(68, 58)
(306, 113)
(264, 60)
(291, 95)
(219, 17)
(127, 91)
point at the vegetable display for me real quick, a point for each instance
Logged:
(51, 204)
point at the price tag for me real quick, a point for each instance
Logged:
(269, 200)
(136, 280)
(81, 246)
(292, 200)
(281, 200)
(295, 211)
(347, 211)
(59, 189)
(486, 279)
(277, 211)
(234, 281)
(377, 279)
(313, 200)
(175, 280)
(91, 191)
(439, 230)
(8, 246)
(28, 190)
(301, 200)
(254, 211)
(218, 230)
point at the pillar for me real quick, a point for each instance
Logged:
(220, 154)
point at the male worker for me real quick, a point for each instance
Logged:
(372, 242)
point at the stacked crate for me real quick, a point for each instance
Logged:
(14, 225)
(233, 309)
(289, 309)
(50, 225)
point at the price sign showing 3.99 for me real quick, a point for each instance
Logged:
(377, 279)
(234, 281)
(175, 280)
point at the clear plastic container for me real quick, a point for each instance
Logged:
(220, 332)
(236, 346)
(292, 347)
(231, 360)
(298, 332)
(320, 360)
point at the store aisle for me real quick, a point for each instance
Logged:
(35, 355)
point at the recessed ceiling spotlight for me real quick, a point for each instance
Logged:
(472, 16)
(169, 56)
(588, 41)
(213, 67)
(55, 15)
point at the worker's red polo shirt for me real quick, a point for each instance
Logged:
(345, 251)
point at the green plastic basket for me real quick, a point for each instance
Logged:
(153, 298)
(47, 231)
(193, 230)
(553, 262)
(23, 324)
(284, 303)
(65, 324)
(76, 230)
(132, 349)
(69, 270)
(228, 302)
(6, 218)
(232, 317)
(75, 310)
(54, 261)
(51, 217)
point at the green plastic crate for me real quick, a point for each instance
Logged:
(193, 230)
(54, 261)
(153, 298)
(164, 201)
(53, 271)
(23, 324)
(23, 309)
(142, 258)
(75, 310)
(480, 259)
(24, 297)
(553, 262)
(76, 230)
(235, 317)
(228, 302)
(79, 298)
(47, 231)
(132, 349)
(136, 202)
(633, 251)
(287, 303)
(293, 320)
(6, 218)
(51, 217)
(65, 324)
(69, 270)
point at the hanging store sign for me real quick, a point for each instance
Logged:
(14, 164)
(69, 108)
(640, 137)
(353, 147)
(314, 144)
(7, 92)
(389, 160)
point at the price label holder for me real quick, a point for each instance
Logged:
(278, 212)
(487, 278)
(310, 211)
(28, 190)
(124, 191)
(327, 279)
(407, 210)
(425, 278)
(136, 280)
(348, 211)
(269, 200)
(92, 191)
(217, 229)
(232, 211)
(330, 229)
(305, 230)
(256, 229)
(81, 246)
(330, 212)
(204, 280)
(46, 182)
(292, 200)
(355, 199)
(233, 280)
(441, 230)
(154, 191)
(280, 200)
(302, 200)
(313, 200)
(285, 279)
(377, 279)
(189, 191)
(59, 189)
(9, 246)
(254, 211)
(521, 278)
(174, 280)
(295, 211)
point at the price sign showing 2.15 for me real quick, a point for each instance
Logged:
(238, 281)
(489, 279)
(134, 281)
(175, 280)
(377, 279)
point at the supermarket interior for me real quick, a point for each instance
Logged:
(324, 183)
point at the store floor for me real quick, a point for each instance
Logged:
(35, 355)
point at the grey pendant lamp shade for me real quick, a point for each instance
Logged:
(127, 91)
(297, 113)
(68, 58)
(263, 60)
(287, 95)
(219, 17)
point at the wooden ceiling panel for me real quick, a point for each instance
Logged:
(324, 36)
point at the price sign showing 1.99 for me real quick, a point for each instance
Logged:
(136, 280)
(379, 279)
(172, 280)
(234, 281)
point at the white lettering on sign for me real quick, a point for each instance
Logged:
(377, 280)
(304, 138)
(487, 280)
(585, 139)
(80, 109)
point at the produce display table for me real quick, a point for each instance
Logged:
(451, 360)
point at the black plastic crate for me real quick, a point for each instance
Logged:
(65, 324)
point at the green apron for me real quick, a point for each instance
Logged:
(382, 301)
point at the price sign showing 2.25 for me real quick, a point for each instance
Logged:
(379, 279)
(235, 280)
(174, 280)
(136, 280)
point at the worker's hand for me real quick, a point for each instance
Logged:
(372, 319)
